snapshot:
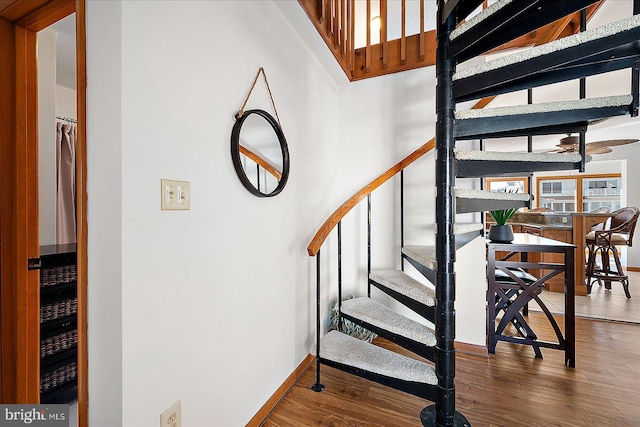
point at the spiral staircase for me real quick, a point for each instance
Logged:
(611, 47)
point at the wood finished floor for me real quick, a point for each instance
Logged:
(510, 388)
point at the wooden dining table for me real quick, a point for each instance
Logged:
(510, 296)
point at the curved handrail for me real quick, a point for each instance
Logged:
(338, 214)
(262, 162)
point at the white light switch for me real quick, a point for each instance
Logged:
(175, 195)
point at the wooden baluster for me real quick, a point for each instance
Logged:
(352, 47)
(403, 38)
(331, 19)
(383, 33)
(336, 24)
(367, 52)
(422, 34)
(321, 11)
(343, 32)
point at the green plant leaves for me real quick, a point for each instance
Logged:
(348, 327)
(502, 216)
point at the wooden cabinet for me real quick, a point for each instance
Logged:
(58, 324)
(555, 284)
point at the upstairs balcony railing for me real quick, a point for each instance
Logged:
(371, 38)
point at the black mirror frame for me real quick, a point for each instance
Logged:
(235, 153)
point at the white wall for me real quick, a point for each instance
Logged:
(104, 214)
(214, 302)
(47, 135)
(65, 102)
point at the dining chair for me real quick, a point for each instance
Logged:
(606, 242)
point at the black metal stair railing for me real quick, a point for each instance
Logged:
(318, 386)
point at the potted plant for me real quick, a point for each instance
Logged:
(501, 232)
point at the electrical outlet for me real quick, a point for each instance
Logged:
(175, 195)
(564, 219)
(172, 417)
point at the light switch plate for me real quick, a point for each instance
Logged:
(175, 195)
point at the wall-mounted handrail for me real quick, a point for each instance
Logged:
(338, 214)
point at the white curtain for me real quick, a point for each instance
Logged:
(66, 183)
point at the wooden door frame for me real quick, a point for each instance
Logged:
(19, 290)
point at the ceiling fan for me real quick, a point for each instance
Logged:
(570, 144)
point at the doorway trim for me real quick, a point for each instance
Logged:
(19, 292)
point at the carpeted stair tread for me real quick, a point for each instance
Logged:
(504, 21)
(496, 156)
(548, 107)
(551, 47)
(476, 19)
(459, 8)
(464, 193)
(402, 283)
(425, 255)
(467, 227)
(346, 350)
(376, 314)
(479, 200)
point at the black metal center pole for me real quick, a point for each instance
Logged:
(582, 141)
(530, 144)
(443, 413)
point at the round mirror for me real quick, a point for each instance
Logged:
(260, 153)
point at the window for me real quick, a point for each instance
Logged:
(583, 193)
(552, 187)
(558, 194)
(599, 193)
(508, 185)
